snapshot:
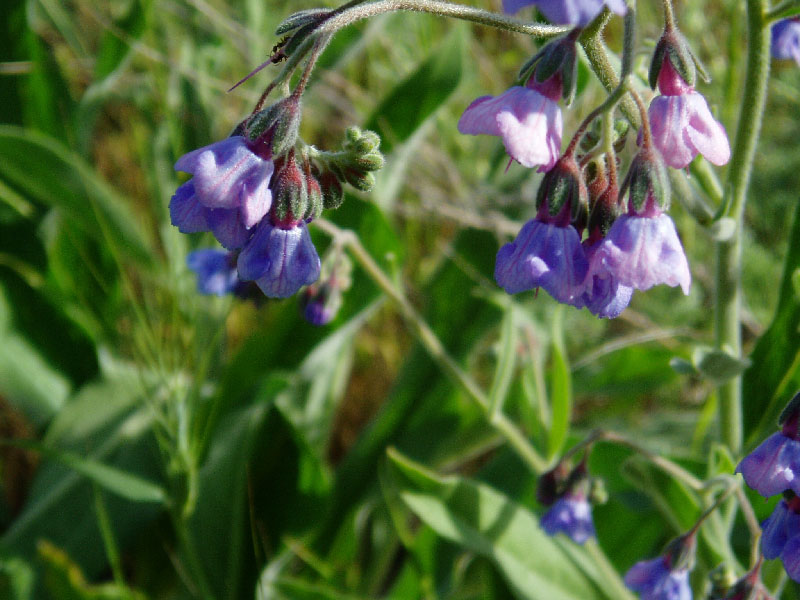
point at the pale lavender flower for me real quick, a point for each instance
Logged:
(656, 580)
(774, 466)
(682, 125)
(567, 12)
(528, 120)
(229, 191)
(280, 259)
(215, 270)
(641, 251)
(570, 515)
(544, 255)
(786, 40)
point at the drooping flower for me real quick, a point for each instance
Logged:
(280, 258)
(567, 12)
(543, 255)
(682, 124)
(570, 515)
(642, 248)
(527, 119)
(786, 40)
(656, 579)
(782, 525)
(774, 466)
(605, 296)
(215, 270)
(229, 192)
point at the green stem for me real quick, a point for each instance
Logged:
(443, 9)
(728, 268)
(515, 438)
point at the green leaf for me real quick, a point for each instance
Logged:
(41, 169)
(560, 389)
(506, 357)
(16, 579)
(114, 480)
(418, 96)
(717, 365)
(774, 372)
(484, 521)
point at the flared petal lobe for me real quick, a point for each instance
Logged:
(644, 251)
(786, 40)
(572, 516)
(529, 124)
(773, 467)
(778, 529)
(791, 557)
(683, 127)
(185, 211)
(547, 256)
(567, 12)
(605, 296)
(280, 261)
(216, 272)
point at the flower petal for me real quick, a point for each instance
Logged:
(705, 133)
(185, 212)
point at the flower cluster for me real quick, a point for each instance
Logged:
(774, 468)
(256, 194)
(629, 245)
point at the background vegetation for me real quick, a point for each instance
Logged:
(171, 445)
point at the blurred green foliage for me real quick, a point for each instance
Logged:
(161, 444)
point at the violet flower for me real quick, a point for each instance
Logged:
(643, 250)
(774, 466)
(786, 40)
(567, 12)
(777, 529)
(527, 119)
(229, 191)
(656, 580)
(544, 255)
(605, 296)
(570, 515)
(280, 258)
(682, 125)
(215, 270)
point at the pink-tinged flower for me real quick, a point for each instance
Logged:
(682, 124)
(657, 580)
(228, 194)
(526, 118)
(774, 466)
(570, 515)
(641, 251)
(786, 40)
(280, 259)
(544, 255)
(605, 296)
(567, 12)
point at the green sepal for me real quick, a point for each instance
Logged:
(792, 408)
(569, 77)
(332, 190)
(301, 19)
(360, 180)
(281, 121)
(315, 202)
(549, 63)
(656, 62)
(681, 58)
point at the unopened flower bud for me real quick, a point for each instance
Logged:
(648, 183)
(557, 62)
(360, 180)
(681, 551)
(550, 484)
(332, 191)
(289, 189)
(277, 126)
(562, 194)
(301, 19)
(673, 47)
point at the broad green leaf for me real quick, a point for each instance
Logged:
(41, 169)
(774, 372)
(414, 99)
(114, 480)
(486, 522)
(560, 389)
(717, 365)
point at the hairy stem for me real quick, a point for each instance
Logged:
(728, 267)
(422, 331)
(338, 20)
